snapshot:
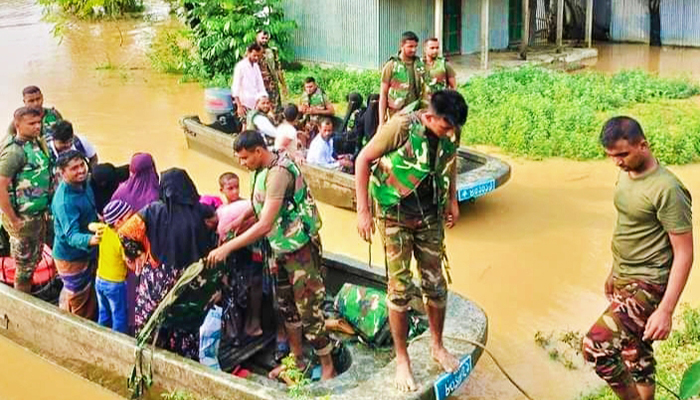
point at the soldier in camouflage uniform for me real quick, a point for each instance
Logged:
(439, 74)
(25, 185)
(414, 193)
(32, 97)
(289, 220)
(402, 79)
(652, 256)
(271, 70)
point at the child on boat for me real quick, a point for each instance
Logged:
(110, 283)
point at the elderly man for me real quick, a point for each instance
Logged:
(248, 84)
(271, 70)
(258, 119)
(25, 185)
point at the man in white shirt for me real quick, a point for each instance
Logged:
(321, 149)
(248, 84)
(257, 118)
(286, 139)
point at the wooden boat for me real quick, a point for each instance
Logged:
(107, 357)
(477, 173)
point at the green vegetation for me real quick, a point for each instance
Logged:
(673, 356)
(96, 8)
(177, 395)
(540, 113)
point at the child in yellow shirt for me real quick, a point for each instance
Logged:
(110, 284)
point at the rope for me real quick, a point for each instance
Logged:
(477, 344)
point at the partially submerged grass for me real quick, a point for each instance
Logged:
(539, 113)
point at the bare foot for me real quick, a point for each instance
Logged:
(404, 377)
(253, 332)
(447, 361)
(275, 372)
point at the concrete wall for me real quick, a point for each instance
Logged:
(471, 25)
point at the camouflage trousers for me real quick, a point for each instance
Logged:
(300, 294)
(614, 343)
(420, 237)
(26, 245)
(273, 93)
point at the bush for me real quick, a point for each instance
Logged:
(336, 82)
(96, 8)
(535, 112)
(222, 30)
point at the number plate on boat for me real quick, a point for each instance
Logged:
(447, 384)
(477, 190)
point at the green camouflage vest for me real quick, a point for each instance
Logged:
(435, 77)
(50, 118)
(400, 83)
(269, 65)
(30, 188)
(400, 172)
(298, 219)
(317, 99)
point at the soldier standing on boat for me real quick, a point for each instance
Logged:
(402, 78)
(271, 69)
(414, 191)
(439, 74)
(287, 216)
(652, 255)
(25, 193)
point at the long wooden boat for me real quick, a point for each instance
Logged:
(107, 357)
(477, 173)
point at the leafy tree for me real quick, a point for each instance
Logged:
(96, 8)
(223, 29)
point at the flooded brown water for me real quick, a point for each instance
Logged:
(533, 254)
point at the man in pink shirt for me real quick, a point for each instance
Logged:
(247, 81)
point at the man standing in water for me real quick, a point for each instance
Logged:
(439, 74)
(652, 254)
(413, 186)
(287, 216)
(25, 185)
(402, 78)
(271, 70)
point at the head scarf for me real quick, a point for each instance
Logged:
(371, 119)
(141, 188)
(104, 179)
(175, 224)
(354, 103)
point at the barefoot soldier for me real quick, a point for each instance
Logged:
(413, 187)
(652, 255)
(287, 216)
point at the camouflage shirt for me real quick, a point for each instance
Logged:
(28, 165)
(298, 219)
(405, 81)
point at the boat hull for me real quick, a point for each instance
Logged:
(480, 173)
(107, 357)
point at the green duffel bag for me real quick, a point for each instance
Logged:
(365, 309)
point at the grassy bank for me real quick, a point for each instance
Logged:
(673, 356)
(538, 113)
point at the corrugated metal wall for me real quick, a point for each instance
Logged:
(680, 22)
(471, 25)
(630, 21)
(336, 31)
(398, 16)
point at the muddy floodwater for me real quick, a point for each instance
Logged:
(533, 254)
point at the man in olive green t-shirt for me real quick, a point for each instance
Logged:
(402, 78)
(652, 254)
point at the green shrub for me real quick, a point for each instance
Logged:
(336, 82)
(96, 8)
(536, 112)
